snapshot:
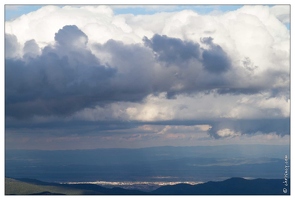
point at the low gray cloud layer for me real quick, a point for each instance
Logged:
(280, 126)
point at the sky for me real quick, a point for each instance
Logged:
(85, 77)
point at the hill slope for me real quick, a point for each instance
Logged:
(233, 186)
(31, 186)
(23, 187)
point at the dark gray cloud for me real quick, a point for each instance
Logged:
(135, 70)
(172, 50)
(190, 68)
(58, 82)
(165, 65)
(178, 52)
(69, 127)
(215, 60)
(52, 89)
(67, 77)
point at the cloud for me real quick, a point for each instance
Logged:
(62, 80)
(230, 127)
(85, 65)
(215, 59)
(227, 133)
(12, 47)
(71, 36)
(67, 77)
(178, 52)
(132, 137)
(282, 12)
(31, 49)
(172, 50)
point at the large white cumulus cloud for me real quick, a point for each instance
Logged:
(251, 31)
(100, 24)
(87, 63)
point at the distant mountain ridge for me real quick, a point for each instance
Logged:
(232, 186)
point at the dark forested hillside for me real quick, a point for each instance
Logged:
(233, 186)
